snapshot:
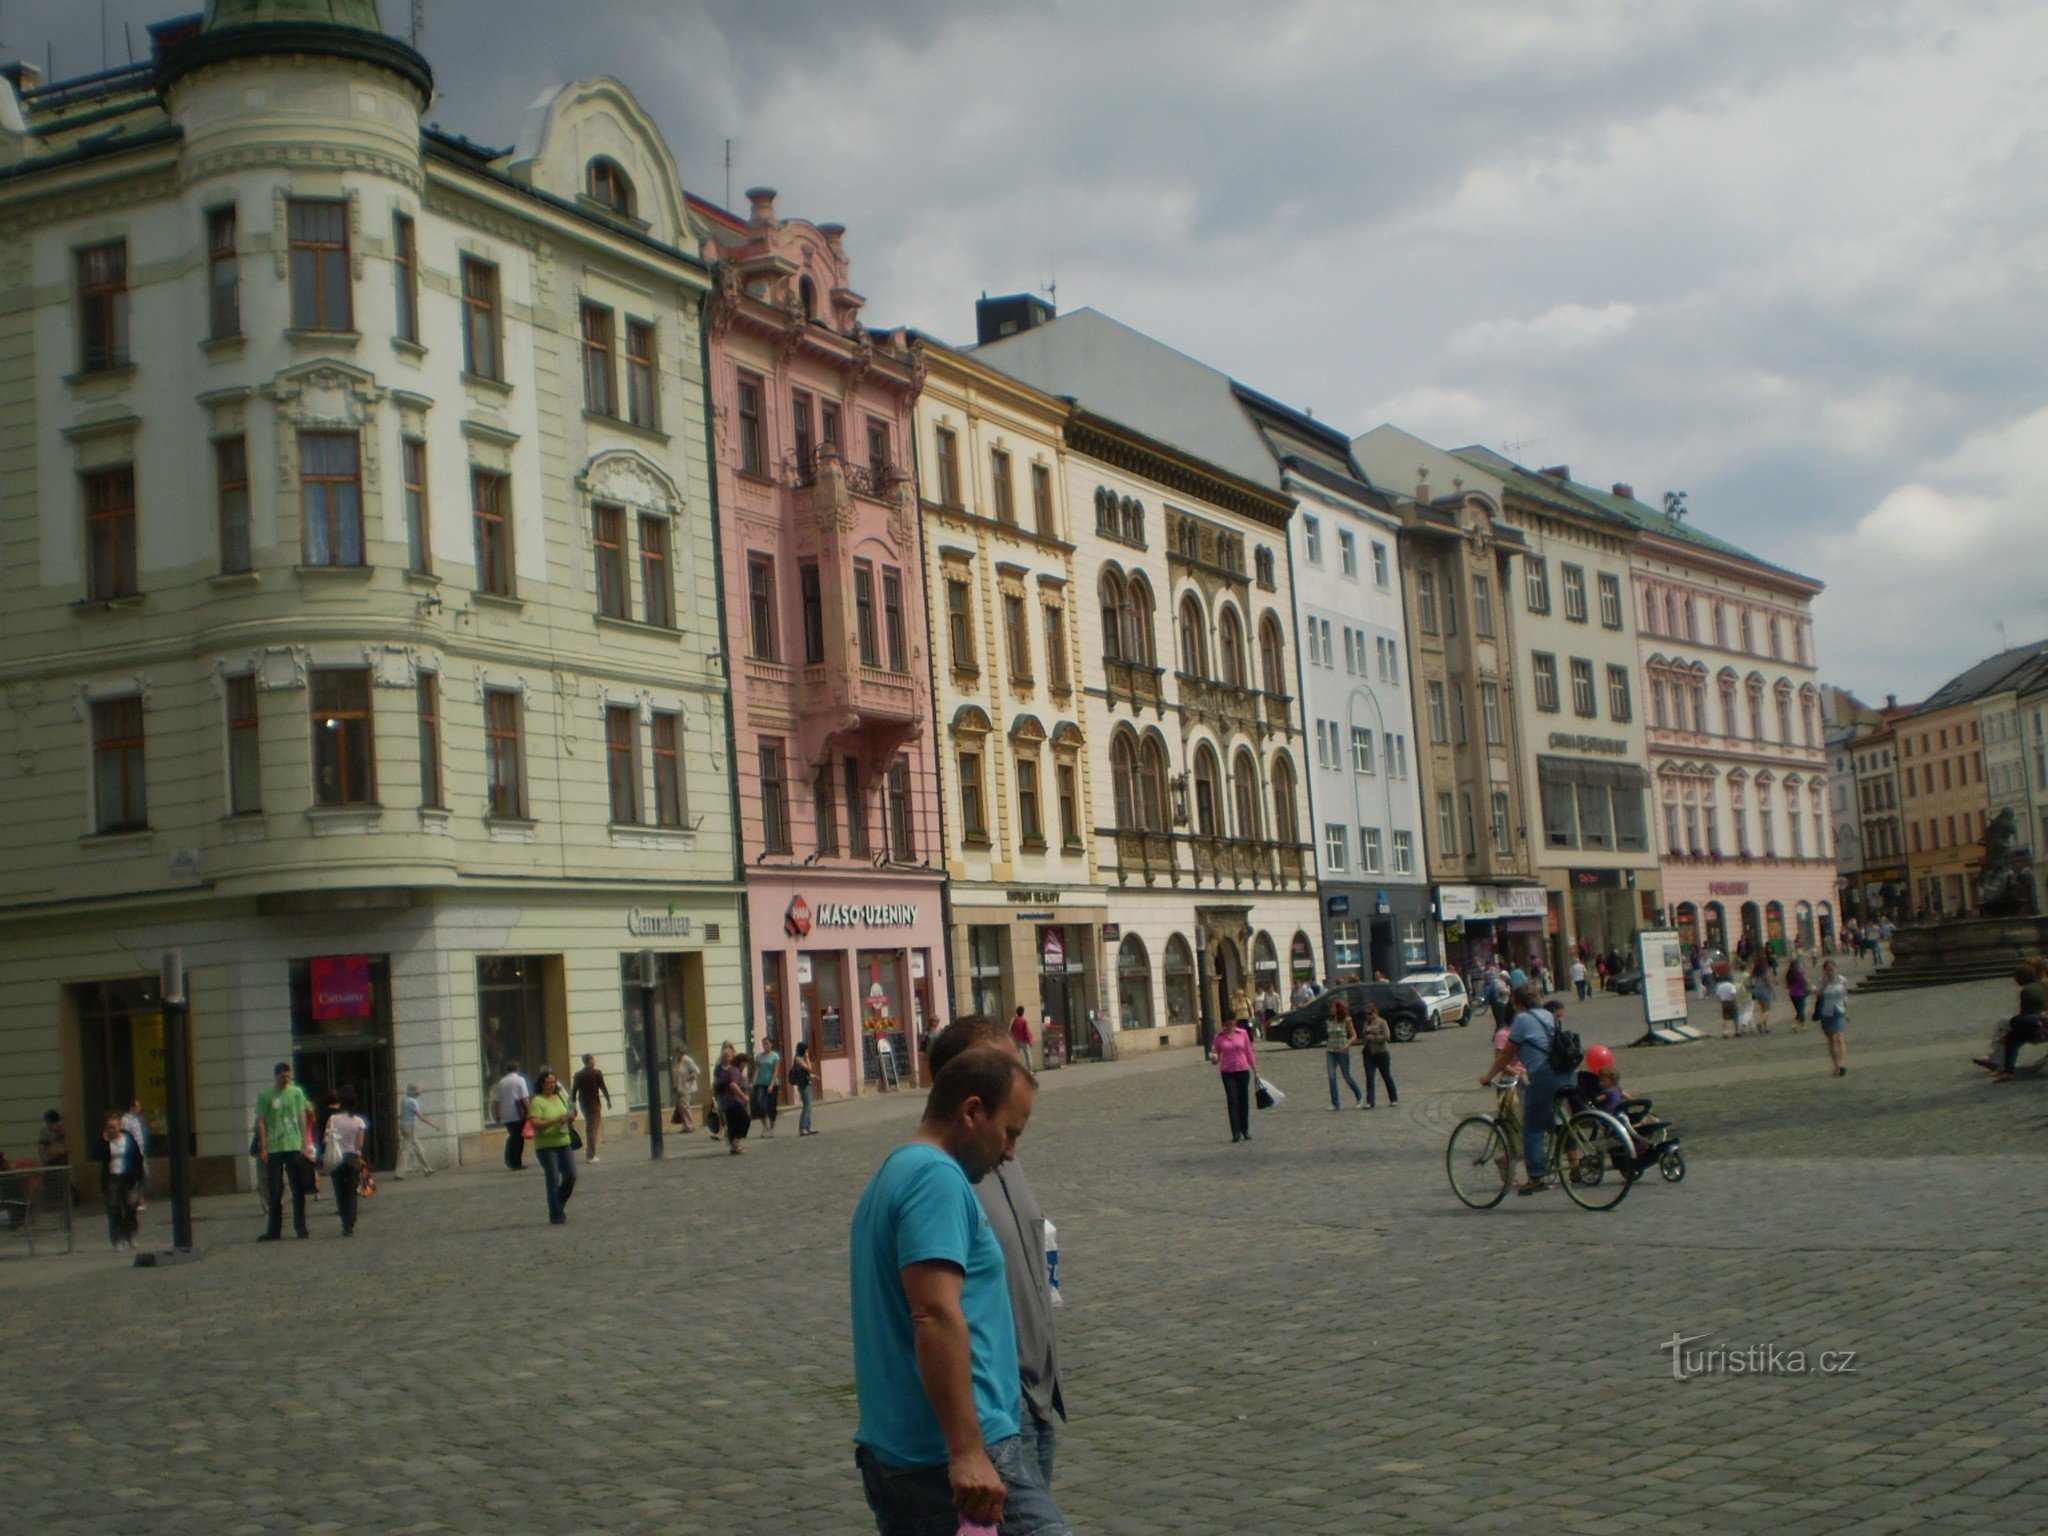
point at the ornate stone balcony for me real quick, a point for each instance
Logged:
(1136, 684)
(1223, 702)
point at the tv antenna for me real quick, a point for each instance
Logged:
(1514, 449)
(419, 21)
(728, 175)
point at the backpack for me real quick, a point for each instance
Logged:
(1566, 1050)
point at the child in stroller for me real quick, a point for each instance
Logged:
(1599, 1085)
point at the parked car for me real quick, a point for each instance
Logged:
(1444, 992)
(1403, 1007)
(1629, 983)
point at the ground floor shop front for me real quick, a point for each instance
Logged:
(1785, 906)
(854, 965)
(1597, 912)
(1489, 925)
(1383, 931)
(1039, 948)
(371, 991)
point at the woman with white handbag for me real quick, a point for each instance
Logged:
(1238, 1062)
(341, 1155)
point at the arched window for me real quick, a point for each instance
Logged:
(1262, 563)
(1670, 613)
(1208, 804)
(609, 186)
(1756, 707)
(1123, 772)
(1180, 981)
(1133, 984)
(1286, 823)
(1244, 775)
(1272, 657)
(1152, 785)
(1194, 652)
(1134, 519)
(1113, 597)
(1784, 698)
(1106, 511)
(1230, 648)
(1728, 725)
(1139, 650)
(807, 296)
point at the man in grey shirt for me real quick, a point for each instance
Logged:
(1019, 1226)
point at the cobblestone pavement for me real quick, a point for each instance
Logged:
(1302, 1334)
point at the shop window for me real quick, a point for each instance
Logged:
(120, 1054)
(883, 1010)
(821, 995)
(1414, 945)
(1346, 949)
(341, 1039)
(512, 1017)
(1133, 984)
(1180, 982)
(671, 1018)
(987, 948)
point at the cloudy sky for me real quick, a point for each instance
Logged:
(1791, 258)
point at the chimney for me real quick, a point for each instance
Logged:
(1624, 490)
(835, 238)
(1008, 314)
(761, 207)
(1891, 701)
(1556, 472)
(22, 75)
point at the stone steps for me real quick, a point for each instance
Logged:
(1900, 978)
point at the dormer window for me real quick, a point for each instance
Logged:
(807, 296)
(610, 188)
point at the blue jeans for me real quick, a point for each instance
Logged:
(803, 1093)
(918, 1501)
(1040, 1439)
(1539, 1102)
(558, 1167)
(1380, 1064)
(1333, 1063)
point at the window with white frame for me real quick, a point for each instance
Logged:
(1382, 570)
(1312, 539)
(1347, 551)
(1404, 853)
(1361, 749)
(1369, 850)
(1610, 601)
(1536, 580)
(1574, 592)
(1335, 851)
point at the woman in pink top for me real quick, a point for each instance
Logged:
(1238, 1062)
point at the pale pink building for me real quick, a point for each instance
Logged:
(825, 626)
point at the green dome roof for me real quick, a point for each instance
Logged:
(361, 14)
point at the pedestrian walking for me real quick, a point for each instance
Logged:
(934, 1339)
(1731, 1017)
(766, 1102)
(343, 1150)
(1798, 988)
(1339, 1036)
(1530, 1037)
(1020, 1031)
(554, 1144)
(1304, 992)
(285, 1143)
(1831, 1012)
(121, 1180)
(1579, 983)
(729, 1087)
(594, 1095)
(508, 1103)
(800, 1080)
(1762, 995)
(1237, 1060)
(410, 1116)
(136, 1122)
(1374, 1036)
(683, 1081)
(1020, 1227)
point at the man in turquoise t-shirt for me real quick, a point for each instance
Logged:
(284, 1140)
(934, 1341)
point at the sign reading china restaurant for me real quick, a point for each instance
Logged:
(801, 916)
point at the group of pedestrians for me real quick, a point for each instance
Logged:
(1747, 1001)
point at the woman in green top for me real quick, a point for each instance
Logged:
(767, 1088)
(551, 1115)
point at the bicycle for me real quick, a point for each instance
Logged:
(1582, 1149)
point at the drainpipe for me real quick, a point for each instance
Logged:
(931, 657)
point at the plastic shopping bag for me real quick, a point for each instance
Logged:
(1268, 1095)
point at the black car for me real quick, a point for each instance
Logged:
(1401, 1006)
(1629, 983)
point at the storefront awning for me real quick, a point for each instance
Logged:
(1574, 770)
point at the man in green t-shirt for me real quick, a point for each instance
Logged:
(284, 1144)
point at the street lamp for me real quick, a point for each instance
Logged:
(647, 1053)
(177, 1085)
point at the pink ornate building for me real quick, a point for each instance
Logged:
(825, 627)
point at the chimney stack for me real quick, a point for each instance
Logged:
(1556, 472)
(1624, 490)
(760, 206)
(1891, 701)
(1010, 313)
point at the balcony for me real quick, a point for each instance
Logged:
(1148, 856)
(1237, 862)
(869, 711)
(1134, 683)
(1279, 712)
(1224, 702)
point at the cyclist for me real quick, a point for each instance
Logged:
(1528, 1044)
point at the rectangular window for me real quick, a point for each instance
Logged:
(622, 762)
(902, 830)
(322, 296)
(879, 456)
(774, 796)
(1425, 601)
(1631, 829)
(1543, 667)
(331, 497)
(1471, 833)
(1536, 579)
(1596, 824)
(1069, 782)
(811, 591)
(825, 812)
(120, 801)
(1489, 713)
(657, 590)
(1336, 847)
(505, 755)
(1404, 853)
(1002, 490)
(828, 425)
(344, 748)
(1312, 535)
(893, 629)
(1347, 551)
(600, 388)
(1056, 647)
(491, 498)
(1583, 702)
(245, 763)
(1618, 703)
(643, 375)
(973, 819)
(1482, 607)
(1439, 721)
(856, 809)
(753, 428)
(1446, 824)
(946, 461)
(865, 632)
(419, 541)
(231, 500)
(1382, 567)
(405, 265)
(1361, 749)
(1369, 850)
(482, 353)
(1502, 831)
(223, 276)
(1574, 592)
(1029, 825)
(1560, 814)
(427, 705)
(1610, 601)
(671, 794)
(1016, 637)
(1460, 723)
(103, 307)
(1041, 500)
(761, 607)
(608, 538)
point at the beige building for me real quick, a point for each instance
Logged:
(360, 622)
(1017, 776)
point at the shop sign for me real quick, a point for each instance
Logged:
(1053, 949)
(1036, 917)
(658, 925)
(840, 914)
(1484, 903)
(1596, 879)
(1339, 906)
(1727, 887)
(341, 986)
(1112, 932)
(796, 919)
(1567, 741)
(1039, 898)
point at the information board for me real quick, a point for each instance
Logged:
(1662, 959)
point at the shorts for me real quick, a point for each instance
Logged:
(1831, 1024)
(1728, 1011)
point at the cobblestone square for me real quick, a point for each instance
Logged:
(1303, 1334)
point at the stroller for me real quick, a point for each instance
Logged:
(1651, 1142)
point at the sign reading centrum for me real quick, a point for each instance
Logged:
(658, 925)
